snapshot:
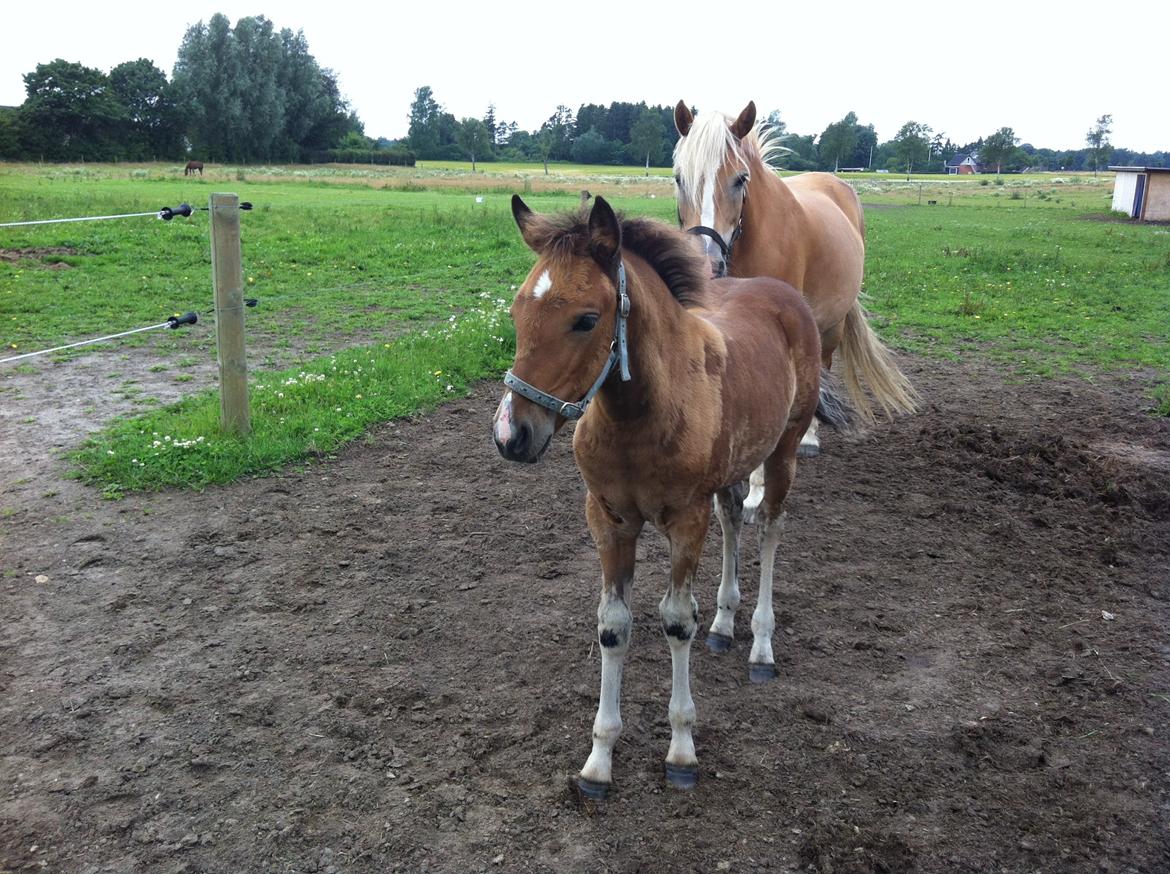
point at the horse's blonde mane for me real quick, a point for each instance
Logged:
(709, 141)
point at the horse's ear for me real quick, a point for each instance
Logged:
(526, 222)
(683, 118)
(745, 122)
(605, 234)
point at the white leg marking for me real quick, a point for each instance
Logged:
(678, 613)
(755, 495)
(809, 444)
(727, 601)
(682, 706)
(763, 619)
(613, 618)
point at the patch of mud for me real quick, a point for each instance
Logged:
(388, 662)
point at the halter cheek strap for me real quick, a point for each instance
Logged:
(619, 354)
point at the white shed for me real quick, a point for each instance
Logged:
(1142, 192)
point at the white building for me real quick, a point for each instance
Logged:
(1142, 192)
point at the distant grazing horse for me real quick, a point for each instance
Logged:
(807, 230)
(192, 166)
(683, 385)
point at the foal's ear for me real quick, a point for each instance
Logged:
(683, 118)
(605, 234)
(526, 220)
(745, 122)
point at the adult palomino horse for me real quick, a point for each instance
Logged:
(807, 230)
(682, 386)
(192, 166)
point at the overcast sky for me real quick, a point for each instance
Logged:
(1046, 74)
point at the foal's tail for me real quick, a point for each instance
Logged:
(867, 362)
(832, 409)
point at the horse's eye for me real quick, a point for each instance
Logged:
(741, 180)
(586, 322)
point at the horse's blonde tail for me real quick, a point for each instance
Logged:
(867, 363)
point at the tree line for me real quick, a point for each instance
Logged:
(621, 133)
(634, 133)
(245, 93)
(251, 93)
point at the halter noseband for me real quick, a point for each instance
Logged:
(725, 248)
(619, 354)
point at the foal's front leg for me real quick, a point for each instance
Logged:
(616, 541)
(680, 618)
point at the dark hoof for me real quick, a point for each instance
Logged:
(682, 776)
(591, 789)
(718, 642)
(761, 673)
(807, 450)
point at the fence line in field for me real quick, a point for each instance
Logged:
(172, 322)
(165, 214)
(227, 280)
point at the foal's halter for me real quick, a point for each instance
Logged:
(618, 354)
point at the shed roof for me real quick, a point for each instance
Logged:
(1140, 169)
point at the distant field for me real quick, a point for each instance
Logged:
(1032, 272)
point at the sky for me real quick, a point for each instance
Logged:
(1046, 74)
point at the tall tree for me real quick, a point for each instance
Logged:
(150, 127)
(425, 113)
(912, 144)
(646, 136)
(561, 129)
(489, 121)
(839, 140)
(473, 139)
(1097, 140)
(71, 112)
(998, 147)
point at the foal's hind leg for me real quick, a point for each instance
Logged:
(755, 495)
(779, 469)
(729, 508)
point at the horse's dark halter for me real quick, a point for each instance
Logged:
(725, 248)
(618, 354)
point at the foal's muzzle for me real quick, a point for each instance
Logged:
(521, 440)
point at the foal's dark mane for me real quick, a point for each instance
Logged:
(670, 252)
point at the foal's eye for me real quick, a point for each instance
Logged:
(586, 322)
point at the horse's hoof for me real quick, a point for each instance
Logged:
(761, 673)
(591, 789)
(808, 450)
(682, 776)
(717, 642)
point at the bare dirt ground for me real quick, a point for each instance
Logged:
(386, 662)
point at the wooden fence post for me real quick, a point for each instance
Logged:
(227, 272)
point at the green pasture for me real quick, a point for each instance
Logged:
(374, 301)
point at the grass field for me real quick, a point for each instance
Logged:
(1031, 272)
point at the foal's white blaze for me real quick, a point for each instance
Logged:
(503, 427)
(543, 284)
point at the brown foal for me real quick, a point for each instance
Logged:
(682, 387)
